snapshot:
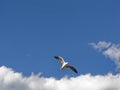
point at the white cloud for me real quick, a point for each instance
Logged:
(109, 50)
(101, 45)
(11, 80)
(114, 53)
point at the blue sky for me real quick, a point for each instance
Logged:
(33, 32)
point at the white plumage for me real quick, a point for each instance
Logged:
(65, 64)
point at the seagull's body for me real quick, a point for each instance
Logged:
(65, 64)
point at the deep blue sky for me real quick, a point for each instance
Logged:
(32, 32)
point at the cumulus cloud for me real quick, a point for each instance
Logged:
(110, 50)
(11, 80)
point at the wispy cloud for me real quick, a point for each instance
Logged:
(110, 50)
(101, 45)
(11, 80)
(114, 53)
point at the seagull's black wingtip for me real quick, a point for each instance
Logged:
(55, 57)
(76, 72)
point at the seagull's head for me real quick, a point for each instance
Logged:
(66, 62)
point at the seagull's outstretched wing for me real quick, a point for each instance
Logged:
(72, 68)
(60, 59)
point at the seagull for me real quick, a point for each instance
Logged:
(65, 64)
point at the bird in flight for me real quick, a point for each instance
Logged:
(65, 64)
